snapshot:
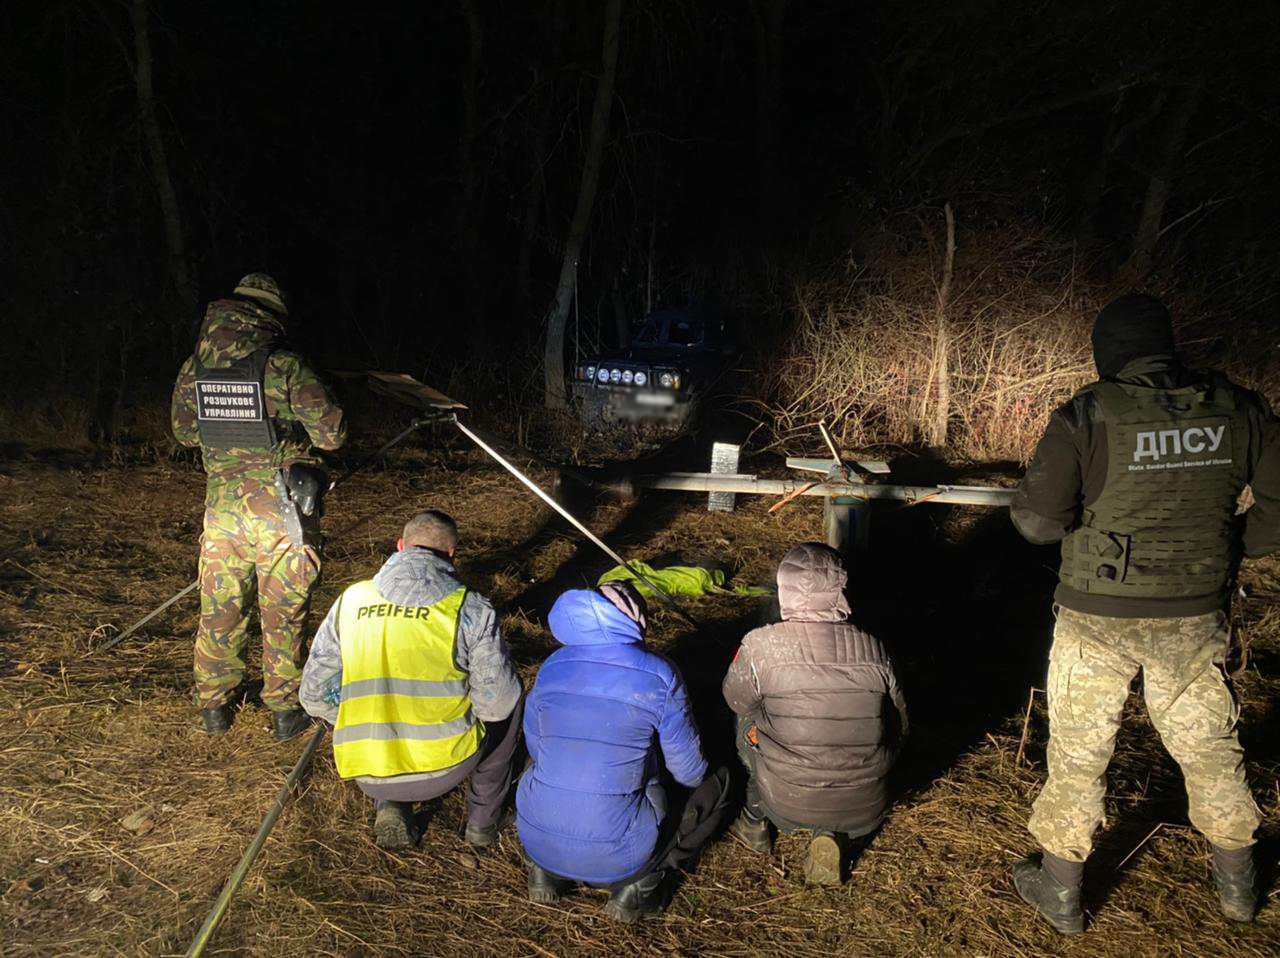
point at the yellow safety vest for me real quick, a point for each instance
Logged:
(404, 706)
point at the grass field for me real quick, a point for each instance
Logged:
(120, 820)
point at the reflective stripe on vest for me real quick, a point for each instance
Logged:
(404, 706)
(1162, 526)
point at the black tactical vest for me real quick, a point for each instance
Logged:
(231, 408)
(1163, 525)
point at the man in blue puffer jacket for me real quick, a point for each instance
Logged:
(604, 717)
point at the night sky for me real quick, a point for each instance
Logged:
(409, 170)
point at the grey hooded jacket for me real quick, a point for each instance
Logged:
(415, 578)
(825, 701)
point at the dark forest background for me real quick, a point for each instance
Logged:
(409, 171)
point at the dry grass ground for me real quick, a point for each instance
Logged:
(120, 819)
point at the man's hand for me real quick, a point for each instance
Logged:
(753, 736)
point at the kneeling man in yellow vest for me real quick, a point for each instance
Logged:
(411, 670)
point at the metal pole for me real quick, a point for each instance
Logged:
(220, 906)
(416, 424)
(538, 491)
(143, 621)
(116, 640)
(576, 475)
(710, 482)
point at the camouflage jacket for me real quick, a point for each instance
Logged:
(304, 413)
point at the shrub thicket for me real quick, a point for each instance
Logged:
(892, 354)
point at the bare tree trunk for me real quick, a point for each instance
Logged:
(1096, 185)
(1160, 186)
(940, 371)
(468, 180)
(621, 321)
(533, 201)
(768, 16)
(544, 110)
(1116, 136)
(179, 272)
(554, 395)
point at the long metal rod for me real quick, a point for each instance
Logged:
(600, 543)
(369, 460)
(710, 482)
(116, 640)
(220, 906)
(576, 475)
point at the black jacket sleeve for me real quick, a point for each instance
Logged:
(1047, 504)
(1262, 521)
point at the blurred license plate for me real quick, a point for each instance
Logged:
(655, 399)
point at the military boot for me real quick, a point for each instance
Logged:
(217, 720)
(1237, 881)
(544, 887)
(752, 832)
(1052, 885)
(288, 724)
(486, 836)
(637, 899)
(480, 836)
(393, 826)
(822, 864)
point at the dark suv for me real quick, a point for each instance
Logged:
(660, 377)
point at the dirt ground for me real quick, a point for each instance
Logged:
(121, 820)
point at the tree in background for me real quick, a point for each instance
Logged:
(557, 319)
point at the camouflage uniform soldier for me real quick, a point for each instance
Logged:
(255, 409)
(1138, 476)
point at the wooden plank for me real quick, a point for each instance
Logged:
(404, 388)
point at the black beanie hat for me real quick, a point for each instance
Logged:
(1129, 328)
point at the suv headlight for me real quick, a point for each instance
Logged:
(641, 379)
(602, 375)
(615, 375)
(627, 377)
(666, 380)
(591, 373)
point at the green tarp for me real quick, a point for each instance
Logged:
(679, 580)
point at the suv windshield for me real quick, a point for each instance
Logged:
(678, 330)
(684, 333)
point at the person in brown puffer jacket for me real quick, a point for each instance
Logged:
(821, 718)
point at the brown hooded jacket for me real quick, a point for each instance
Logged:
(823, 696)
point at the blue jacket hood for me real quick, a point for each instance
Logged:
(585, 617)
(605, 714)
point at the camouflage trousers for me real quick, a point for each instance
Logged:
(245, 551)
(1191, 705)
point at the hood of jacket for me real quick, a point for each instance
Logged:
(585, 617)
(811, 583)
(235, 328)
(416, 577)
(1159, 372)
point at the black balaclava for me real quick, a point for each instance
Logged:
(1130, 328)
